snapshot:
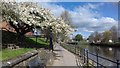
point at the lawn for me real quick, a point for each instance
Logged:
(6, 54)
(41, 42)
(10, 38)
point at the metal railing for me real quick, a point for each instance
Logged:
(85, 54)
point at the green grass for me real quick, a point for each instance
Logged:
(10, 38)
(70, 48)
(6, 54)
(82, 44)
(40, 41)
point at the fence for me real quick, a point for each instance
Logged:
(85, 55)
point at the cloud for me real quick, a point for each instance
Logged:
(55, 9)
(85, 17)
(88, 18)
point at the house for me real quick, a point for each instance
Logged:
(6, 27)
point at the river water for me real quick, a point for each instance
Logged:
(111, 53)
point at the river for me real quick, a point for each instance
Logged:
(111, 53)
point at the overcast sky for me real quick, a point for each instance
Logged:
(87, 16)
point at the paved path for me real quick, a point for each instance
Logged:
(63, 57)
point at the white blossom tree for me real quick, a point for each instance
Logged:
(23, 17)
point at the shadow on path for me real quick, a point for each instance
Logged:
(63, 57)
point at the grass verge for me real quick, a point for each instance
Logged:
(7, 54)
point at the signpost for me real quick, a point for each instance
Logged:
(36, 33)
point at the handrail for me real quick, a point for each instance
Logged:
(102, 57)
(96, 62)
(86, 52)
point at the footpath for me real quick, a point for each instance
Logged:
(63, 57)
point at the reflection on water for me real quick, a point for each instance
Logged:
(107, 52)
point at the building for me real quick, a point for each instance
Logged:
(6, 27)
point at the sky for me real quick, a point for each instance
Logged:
(88, 17)
(60, 0)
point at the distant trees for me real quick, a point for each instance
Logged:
(78, 37)
(114, 33)
(91, 38)
(105, 36)
(97, 36)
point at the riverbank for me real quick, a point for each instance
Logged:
(107, 55)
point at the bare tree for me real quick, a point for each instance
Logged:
(91, 38)
(97, 36)
(106, 36)
(114, 33)
(66, 17)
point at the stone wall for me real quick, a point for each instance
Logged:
(35, 59)
(20, 61)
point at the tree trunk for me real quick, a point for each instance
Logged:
(51, 42)
(21, 39)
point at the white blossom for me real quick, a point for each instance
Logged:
(38, 16)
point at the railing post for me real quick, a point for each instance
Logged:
(84, 55)
(75, 49)
(87, 58)
(97, 59)
(117, 63)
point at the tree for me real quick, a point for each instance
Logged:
(66, 17)
(106, 36)
(91, 38)
(59, 28)
(24, 17)
(114, 33)
(97, 36)
(78, 37)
